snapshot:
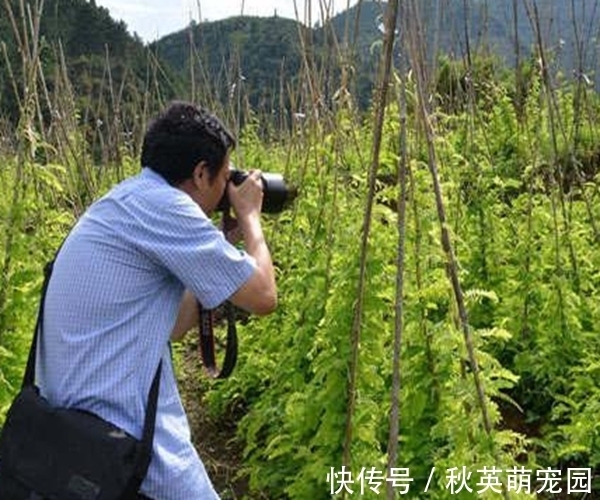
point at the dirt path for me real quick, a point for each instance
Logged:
(215, 441)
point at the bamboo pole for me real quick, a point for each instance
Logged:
(402, 177)
(380, 108)
(28, 43)
(414, 41)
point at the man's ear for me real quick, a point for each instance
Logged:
(199, 172)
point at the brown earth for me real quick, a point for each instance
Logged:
(215, 439)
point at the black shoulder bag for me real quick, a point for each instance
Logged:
(69, 454)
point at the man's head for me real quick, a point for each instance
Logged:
(182, 137)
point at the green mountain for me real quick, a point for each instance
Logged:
(259, 62)
(266, 51)
(502, 26)
(264, 56)
(258, 54)
(84, 54)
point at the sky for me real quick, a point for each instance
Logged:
(153, 19)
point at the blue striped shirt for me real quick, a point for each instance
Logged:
(111, 305)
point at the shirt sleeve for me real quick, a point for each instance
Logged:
(180, 237)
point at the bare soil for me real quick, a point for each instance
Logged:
(215, 439)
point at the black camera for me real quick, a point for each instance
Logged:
(277, 195)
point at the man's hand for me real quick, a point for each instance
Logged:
(246, 199)
(259, 294)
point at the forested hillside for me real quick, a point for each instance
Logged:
(85, 57)
(257, 57)
(84, 35)
(266, 51)
(259, 61)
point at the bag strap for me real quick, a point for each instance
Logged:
(207, 342)
(151, 404)
(145, 455)
(29, 377)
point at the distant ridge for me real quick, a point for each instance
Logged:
(264, 47)
(259, 59)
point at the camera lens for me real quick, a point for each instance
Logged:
(277, 195)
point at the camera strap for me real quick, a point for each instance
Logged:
(206, 329)
(207, 342)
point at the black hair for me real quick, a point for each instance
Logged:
(182, 136)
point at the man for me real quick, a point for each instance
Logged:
(128, 278)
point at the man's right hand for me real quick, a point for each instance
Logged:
(259, 294)
(246, 199)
